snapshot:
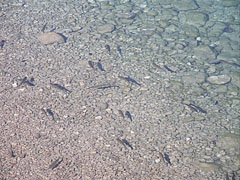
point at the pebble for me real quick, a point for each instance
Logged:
(230, 3)
(126, 15)
(50, 38)
(197, 18)
(228, 141)
(205, 166)
(194, 77)
(106, 28)
(204, 52)
(184, 5)
(219, 80)
(236, 79)
(98, 118)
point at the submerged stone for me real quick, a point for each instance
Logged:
(219, 80)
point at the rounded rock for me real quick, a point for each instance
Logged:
(50, 38)
(219, 80)
(107, 28)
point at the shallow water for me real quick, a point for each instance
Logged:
(145, 89)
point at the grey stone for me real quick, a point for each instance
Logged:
(236, 79)
(227, 52)
(152, 13)
(196, 18)
(217, 29)
(190, 30)
(129, 15)
(194, 77)
(220, 79)
(204, 52)
(208, 166)
(184, 5)
(106, 28)
(229, 3)
(228, 141)
(50, 38)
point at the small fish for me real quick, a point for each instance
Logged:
(230, 63)
(166, 157)
(32, 79)
(100, 65)
(91, 64)
(55, 163)
(58, 86)
(198, 109)
(12, 153)
(167, 68)
(127, 143)
(25, 81)
(108, 86)
(128, 79)
(233, 175)
(108, 48)
(128, 115)
(22, 81)
(119, 50)
(121, 113)
(53, 29)
(29, 83)
(44, 27)
(2, 43)
(215, 62)
(49, 111)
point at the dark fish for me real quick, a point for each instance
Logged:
(29, 83)
(12, 153)
(23, 81)
(64, 37)
(166, 157)
(49, 111)
(52, 29)
(198, 109)
(233, 175)
(44, 27)
(91, 64)
(128, 115)
(121, 113)
(129, 80)
(230, 63)
(167, 68)
(119, 50)
(100, 66)
(215, 62)
(60, 87)
(109, 86)
(32, 79)
(2, 43)
(55, 163)
(127, 143)
(108, 48)
(228, 30)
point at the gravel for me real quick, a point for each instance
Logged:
(181, 65)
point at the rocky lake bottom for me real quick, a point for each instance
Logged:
(120, 89)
